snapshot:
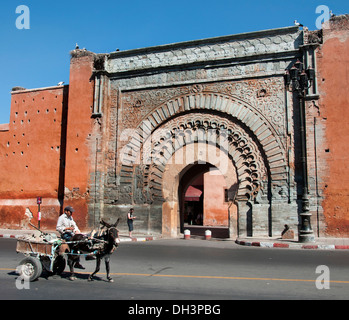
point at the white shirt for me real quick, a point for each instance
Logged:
(66, 222)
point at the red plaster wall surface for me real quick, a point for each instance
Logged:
(30, 156)
(45, 151)
(79, 128)
(333, 67)
(215, 207)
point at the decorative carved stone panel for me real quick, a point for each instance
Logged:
(215, 49)
(265, 96)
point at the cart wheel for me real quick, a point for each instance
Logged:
(59, 265)
(30, 268)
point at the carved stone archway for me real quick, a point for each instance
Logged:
(186, 130)
(235, 142)
(248, 116)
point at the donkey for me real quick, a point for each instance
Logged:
(107, 242)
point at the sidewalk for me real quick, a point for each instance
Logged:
(277, 242)
(12, 233)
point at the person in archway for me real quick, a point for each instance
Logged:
(199, 219)
(130, 218)
(190, 216)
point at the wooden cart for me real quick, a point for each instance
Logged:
(40, 255)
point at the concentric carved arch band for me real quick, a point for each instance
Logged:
(195, 130)
(231, 124)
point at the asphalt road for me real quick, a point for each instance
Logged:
(194, 270)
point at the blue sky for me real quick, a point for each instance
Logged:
(39, 56)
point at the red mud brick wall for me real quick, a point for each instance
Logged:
(78, 159)
(30, 157)
(333, 81)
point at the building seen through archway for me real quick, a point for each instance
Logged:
(204, 203)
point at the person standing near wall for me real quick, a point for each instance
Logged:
(130, 218)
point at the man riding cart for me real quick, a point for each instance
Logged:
(67, 228)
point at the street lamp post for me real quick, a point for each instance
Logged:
(299, 81)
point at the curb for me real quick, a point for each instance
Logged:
(7, 236)
(291, 246)
(139, 239)
(237, 241)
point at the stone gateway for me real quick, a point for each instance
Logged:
(200, 134)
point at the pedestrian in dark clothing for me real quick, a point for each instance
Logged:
(130, 218)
